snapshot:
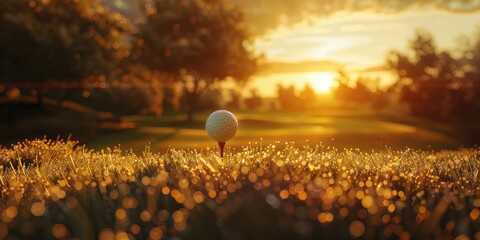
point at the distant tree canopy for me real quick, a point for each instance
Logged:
(360, 93)
(292, 100)
(195, 42)
(254, 101)
(434, 83)
(59, 40)
(57, 49)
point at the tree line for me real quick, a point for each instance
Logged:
(81, 51)
(441, 85)
(54, 51)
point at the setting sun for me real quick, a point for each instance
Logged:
(321, 82)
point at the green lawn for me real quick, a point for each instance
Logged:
(340, 128)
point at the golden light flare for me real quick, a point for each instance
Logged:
(312, 186)
(321, 82)
(38, 209)
(357, 228)
(106, 234)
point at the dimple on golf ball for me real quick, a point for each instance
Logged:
(221, 125)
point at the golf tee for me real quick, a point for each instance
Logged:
(222, 146)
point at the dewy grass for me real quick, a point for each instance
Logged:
(56, 189)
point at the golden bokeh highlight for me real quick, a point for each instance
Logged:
(121, 214)
(122, 236)
(59, 231)
(37, 209)
(106, 234)
(156, 233)
(157, 195)
(357, 228)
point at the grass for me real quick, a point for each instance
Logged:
(341, 128)
(57, 189)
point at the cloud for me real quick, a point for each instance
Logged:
(296, 67)
(362, 39)
(265, 15)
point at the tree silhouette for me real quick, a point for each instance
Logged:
(196, 42)
(59, 44)
(234, 96)
(465, 93)
(425, 77)
(434, 83)
(360, 93)
(287, 97)
(254, 101)
(308, 97)
(291, 100)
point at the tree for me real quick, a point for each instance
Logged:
(287, 97)
(424, 77)
(254, 101)
(234, 98)
(308, 97)
(436, 84)
(291, 100)
(361, 92)
(465, 93)
(64, 44)
(197, 43)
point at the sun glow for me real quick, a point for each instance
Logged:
(321, 82)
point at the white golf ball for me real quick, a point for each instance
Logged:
(221, 125)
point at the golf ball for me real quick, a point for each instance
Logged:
(221, 125)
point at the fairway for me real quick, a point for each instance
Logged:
(338, 128)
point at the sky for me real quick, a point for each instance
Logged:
(363, 39)
(356, 41)
(354, 33)
(309, 42)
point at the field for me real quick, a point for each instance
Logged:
(61, 190)
(365, 129)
